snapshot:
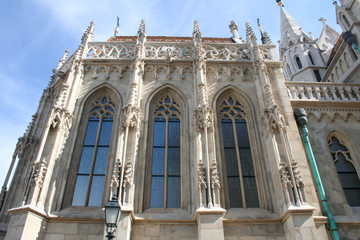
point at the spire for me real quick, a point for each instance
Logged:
(288, 26)
(89, 33)
(291, 32)
(261, 32)
(117, 27)
(327, 39)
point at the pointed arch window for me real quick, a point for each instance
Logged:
(240, 175)
(346, 171)
(94, 154)
(298, 62)
(165, 187)
(345, 20)
(288, 71)
(311, 58)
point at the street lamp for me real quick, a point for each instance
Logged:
(350, 39)
(112, 216)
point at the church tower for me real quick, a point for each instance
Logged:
(303, 59)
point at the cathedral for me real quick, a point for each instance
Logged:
(195, 138)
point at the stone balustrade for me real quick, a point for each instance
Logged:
(171, 51)
(323, 91)
(111, 50)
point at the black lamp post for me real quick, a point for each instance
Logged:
(112, 216)
(350, 39)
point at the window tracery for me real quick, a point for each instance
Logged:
(94, 154)
(165, 187)
(346, 171)
(240, 174)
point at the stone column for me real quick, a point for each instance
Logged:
(123, 231)
(210, 224)
(26, 223)
(299, 224)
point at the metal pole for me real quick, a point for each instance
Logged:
(302, 121)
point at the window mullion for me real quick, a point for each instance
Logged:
(166, 161)
(239, 164)
(93, 163)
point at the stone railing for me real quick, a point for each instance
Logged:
(171, 51)
(323, 91)
(111, 50)
(227, 52)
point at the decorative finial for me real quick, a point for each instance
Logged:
(323, 20)
(250, 36)
(89, 33)
(63, 59)
(267, 39)
(142, 26)
(262, 35)
(196, 27)
(117, 27)
(234, 30)
(279, 3)
(142, 33)
(311, 36)
(196, 32)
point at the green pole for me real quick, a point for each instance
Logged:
(302, 121)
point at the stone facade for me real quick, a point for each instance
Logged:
(130, 84)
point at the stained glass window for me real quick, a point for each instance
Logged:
(240, 174)
(95, 150)
(346, 171)
(165, 171)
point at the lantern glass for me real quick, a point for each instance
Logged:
(112, 213)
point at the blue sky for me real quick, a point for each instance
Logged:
(35, 33)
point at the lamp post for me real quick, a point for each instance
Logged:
(350, 39)
(112, 216)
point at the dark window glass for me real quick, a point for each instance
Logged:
(79, 198)
(165, 181)
(93, 162)
(96, 191)
(241, 182)
(317, 75)
(298, 62)
(174, 191)
(352, 54)
(346, 21)
(311, 58)
(346, 171)
(157, 192)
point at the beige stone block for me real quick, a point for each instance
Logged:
(275, 238)
(267, 229)
(137, 230)
(95, 237)
(152, 230)
(54, 237)
(76, 237)
(180, 230)
(252, 238)
(237, 230)
(90, 229)
(64, 228)
(143, 238)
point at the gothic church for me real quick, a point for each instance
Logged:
(196, 138)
